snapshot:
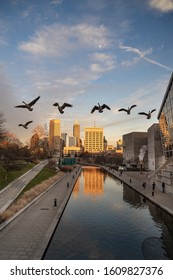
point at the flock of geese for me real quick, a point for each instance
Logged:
(99, 108)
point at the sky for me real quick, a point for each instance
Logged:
(84, 52)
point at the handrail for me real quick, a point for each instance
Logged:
(161, 167)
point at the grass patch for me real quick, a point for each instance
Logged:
(12, 174)
(32, 190)
(43, 175)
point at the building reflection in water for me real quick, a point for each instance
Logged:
(93, 182)
(116, 226)
(133, 198)
(166, 221)
(160, 217)
(76, 190)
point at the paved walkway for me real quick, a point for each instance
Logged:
(135, 180)
(27, 236)
(9, 193)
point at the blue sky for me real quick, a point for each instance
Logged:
(117, 52)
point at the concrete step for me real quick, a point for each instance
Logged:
(164, 179)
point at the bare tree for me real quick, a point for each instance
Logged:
(2, 126)
(40, 131)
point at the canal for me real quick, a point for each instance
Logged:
(106, 219)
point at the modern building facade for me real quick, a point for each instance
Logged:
(72, 141)
(155, 152)
(165, 117)
(54, 136)
(94, 140)
(134, 148)
(76, 133)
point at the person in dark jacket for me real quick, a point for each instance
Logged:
(163, 187)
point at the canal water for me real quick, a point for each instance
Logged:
(106, 219)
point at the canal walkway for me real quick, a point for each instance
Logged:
(135, 180)
(26, 236)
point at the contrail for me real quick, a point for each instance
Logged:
(142, 55)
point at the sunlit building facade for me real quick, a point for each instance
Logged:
(76, 133)
(165, 117)
(54, 136)
(94, 140)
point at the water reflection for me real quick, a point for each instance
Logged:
(93, 181)
(116, 224)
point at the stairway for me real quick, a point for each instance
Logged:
(164, 174)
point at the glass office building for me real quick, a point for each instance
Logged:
(165, 118)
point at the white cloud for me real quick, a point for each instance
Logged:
(162, 5)
(55, 40)
(103, 62)
(142, 55)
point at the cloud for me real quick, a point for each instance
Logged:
(162, 5)
(56, 2)
(57, 39)
(103, 62)
(142, 55)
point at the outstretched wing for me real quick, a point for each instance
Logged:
(122, 109)
(20, 106)
(94, 108)
(28, 122)
(132, 106)
(153, 110)
(55, 104)
(20, 124)
(143, 113)
(66, 105)
(34, 101)
(105, 106)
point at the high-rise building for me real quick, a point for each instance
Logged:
(64, 138)
(54, 136)
(94, 140)
(76, 132)
(72, 141)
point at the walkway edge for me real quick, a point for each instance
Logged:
(150, 198)
(14, 218)
(50, 232)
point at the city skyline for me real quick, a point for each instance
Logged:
(84, 53)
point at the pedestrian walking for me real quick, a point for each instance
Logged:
(163, 187)
(153, 186)
(144, 185)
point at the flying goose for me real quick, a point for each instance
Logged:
(25, 125)
(147, 114)
(127, 110)
(100, 108)
(61, 108)
(29, 105)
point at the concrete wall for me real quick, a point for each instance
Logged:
(154, 147)
(132, 143)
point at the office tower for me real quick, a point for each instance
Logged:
(72, 141)
(76, 133)
(54, 136)
(64, 138)
(93, 142)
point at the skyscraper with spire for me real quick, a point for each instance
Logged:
(76, 133)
